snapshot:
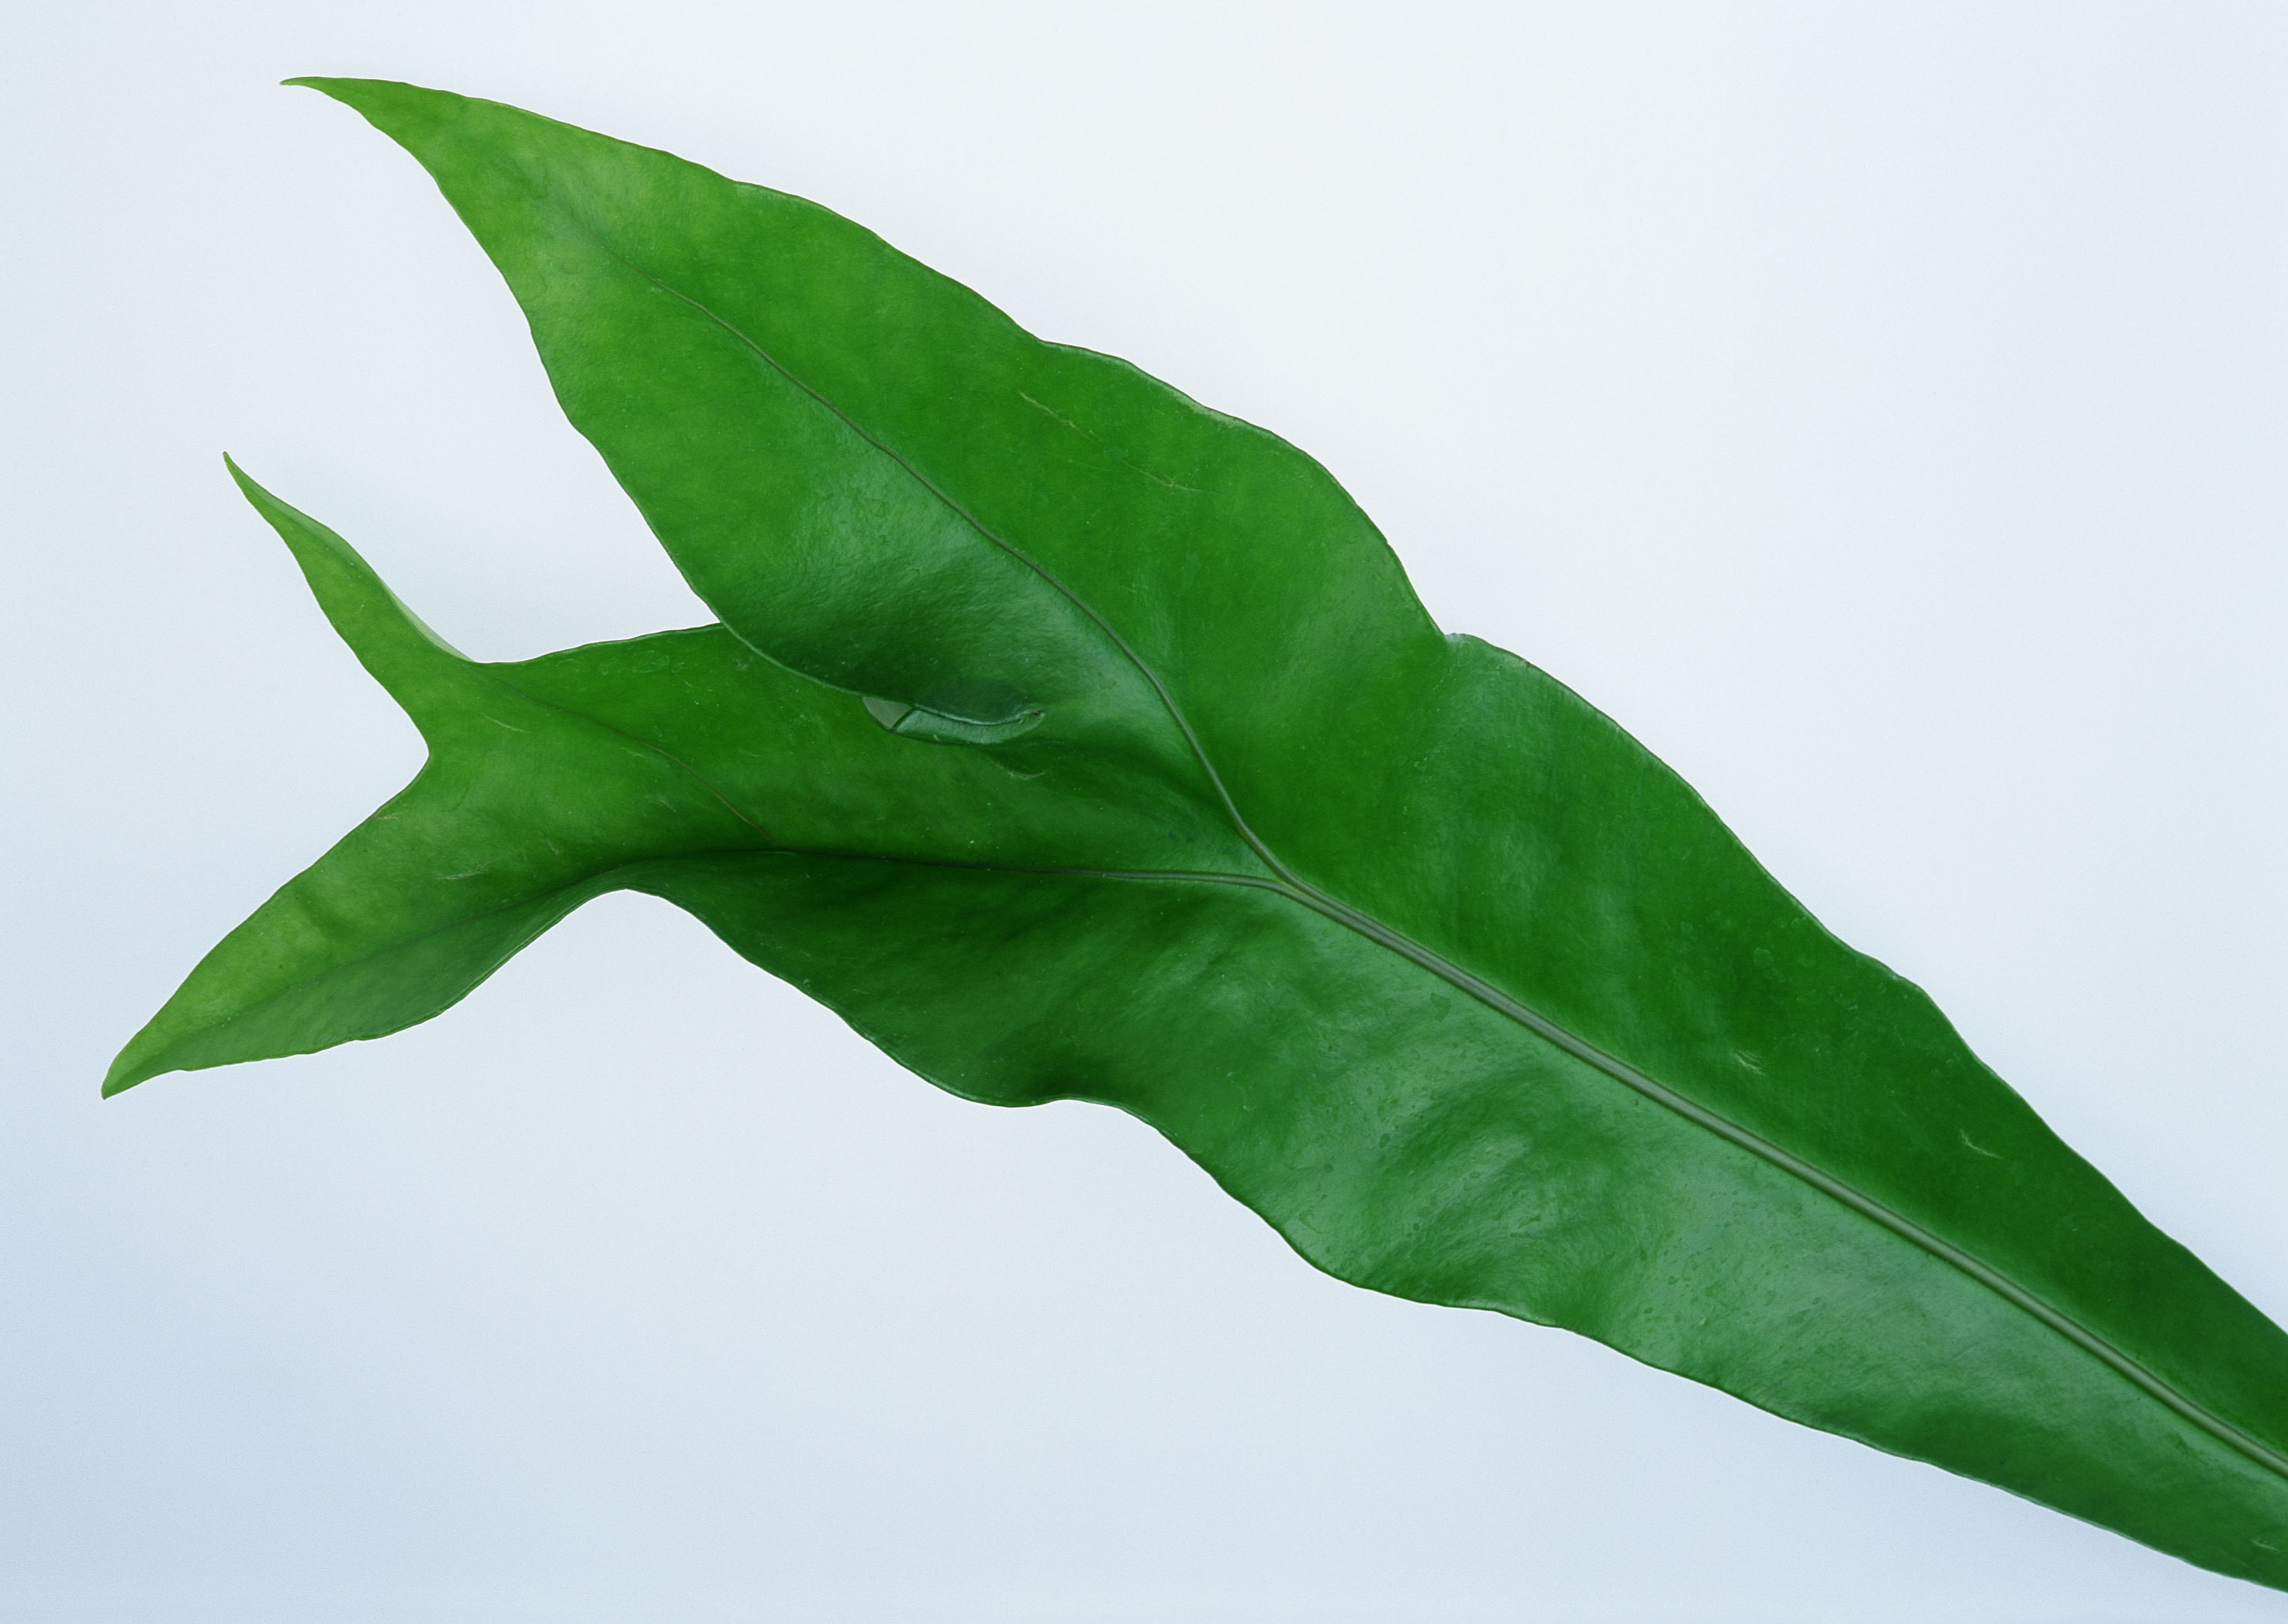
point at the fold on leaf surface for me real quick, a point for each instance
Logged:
(1075, 740)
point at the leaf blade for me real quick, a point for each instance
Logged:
(1550, 864)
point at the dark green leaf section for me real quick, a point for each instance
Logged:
(1423, 958)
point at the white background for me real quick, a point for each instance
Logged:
(1878, 408)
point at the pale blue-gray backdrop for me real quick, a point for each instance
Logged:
(1878, 407)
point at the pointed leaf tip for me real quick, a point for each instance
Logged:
(369, 96)
(120, 1077)
(328, 86)
(397, 648)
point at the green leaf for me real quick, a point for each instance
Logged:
(1102, 751)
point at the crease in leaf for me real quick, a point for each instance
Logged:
(1672, 1113)
(981, 714)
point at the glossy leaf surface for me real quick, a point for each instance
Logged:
(1073, 740)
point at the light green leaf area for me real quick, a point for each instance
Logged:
(1074, 741)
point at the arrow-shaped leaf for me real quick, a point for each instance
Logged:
(1420, 955)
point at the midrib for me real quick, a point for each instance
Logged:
(1810, 1173)
(1857, 1200)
